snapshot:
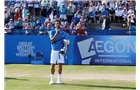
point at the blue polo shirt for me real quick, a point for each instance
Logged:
(63, 9)
(104, 12)
(58, 43)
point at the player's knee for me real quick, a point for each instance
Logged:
(60, 66)
(52, 65)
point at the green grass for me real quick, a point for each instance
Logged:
(76, 77)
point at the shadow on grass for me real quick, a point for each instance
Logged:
(100, 86)
(10, 78)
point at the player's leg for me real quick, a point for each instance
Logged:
(59, 68)
(59, 73)
(54, 57)
(60, 62)
(52, 73)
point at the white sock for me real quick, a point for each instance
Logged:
(59, 77)
(52, 77)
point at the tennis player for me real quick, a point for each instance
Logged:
(57, 38)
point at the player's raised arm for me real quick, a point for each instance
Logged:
(54, 34)
(54, 37)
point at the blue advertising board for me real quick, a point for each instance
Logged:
(91, 49)
(105, 50)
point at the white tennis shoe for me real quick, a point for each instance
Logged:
(59, 82)
(51, 82)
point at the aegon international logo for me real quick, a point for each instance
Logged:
(115, 47)
(25, 48)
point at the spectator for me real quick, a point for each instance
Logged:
(131, 14)
(130, 4)
(91, 13)
(111, 4)
(55, 18)
(75, 19)
(80, 29)
(42, 30)
(83, 20)
(12, 10)
(81, 4)
(104, 2)
(66, 28)
(112, 15)
(94, 3)
(25, 24)
(91, 17)
(124, 2)
(20, 9)
(72, 6)
(60, 2)
(124, 13)
(41, 19)
(18, 24)
(24, 12)
(8, 9)
(44, 3)
(23, 3)
(35, 18)
(70, 13)
(31, 7)
(28, 29)
(17, 4)
(106, 23)
(125, 21)
(79, 9)
(130, 10)
(99, 6)
(85, 11)
(91, 8)
(43, 9)
(48, 20)
(7, 30)
(98, 16)
(17, 14)
(43, 27)
(49, 10)
(128, 21)
(6, 15)
(117, 5)
(86, 3)
(11, 24)
(135, 9)
(32, 24)
(54, 3)
(123, 6)
(78, 13)
(73, 28)
(49, 28)
(133, 19)
(37, 8)
(63, 11)
(104, 12)
(38, 24)
(118, 16)
(29, 16)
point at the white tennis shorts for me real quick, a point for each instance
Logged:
(56, 57)
(64, 16)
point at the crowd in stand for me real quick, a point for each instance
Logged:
(38, 16)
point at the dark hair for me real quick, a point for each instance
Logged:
(58, 21)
